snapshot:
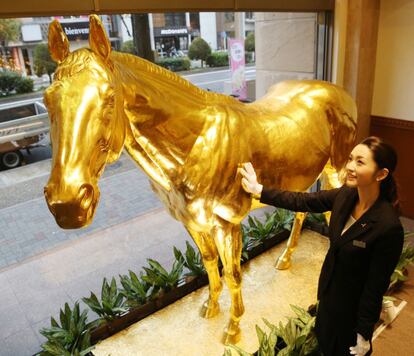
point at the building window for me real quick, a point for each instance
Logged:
(174, 19)
(229, 17)
(194, 20)
(249, 15)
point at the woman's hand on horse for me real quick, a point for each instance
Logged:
(249, 181)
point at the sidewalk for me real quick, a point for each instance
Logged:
(28, 228)
(33, 291)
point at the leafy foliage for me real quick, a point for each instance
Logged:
(255, 232)
(24, 85)
(191, 260)
(136, 291)
(71, 337)
(249, 44)
(199, 49)
(284, 219)
(174, 64)
(249, 57)
(9, 30)
(218, 59)
(43, 63)
(112, 302)
(160, 278)
(296, 337)
(128, 47)
(406, 259)
(275, 222)
(8, 81)
(316, 217)
(247, 242)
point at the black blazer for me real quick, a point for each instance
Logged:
(358, 266)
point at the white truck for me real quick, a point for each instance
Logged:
(23, 125)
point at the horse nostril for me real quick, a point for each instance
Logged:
(86, 193)
(45, 192)
(47, 197)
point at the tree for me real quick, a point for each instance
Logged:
(43, 63)
(199, 49)
(128, 47)
(9, 31)
(249, 44)
(141, 34)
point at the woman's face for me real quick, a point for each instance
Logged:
(361, 169)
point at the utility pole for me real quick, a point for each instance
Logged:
(141, 34)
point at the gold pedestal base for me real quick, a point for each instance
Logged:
(267, 293)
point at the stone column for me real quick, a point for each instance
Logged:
(188, 25)
(360, 57)
(239, 25)
(285, 48)
(151, 31)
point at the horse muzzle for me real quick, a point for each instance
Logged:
(72, 211)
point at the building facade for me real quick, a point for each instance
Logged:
(18, 55)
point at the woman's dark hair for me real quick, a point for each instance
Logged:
(385, 157)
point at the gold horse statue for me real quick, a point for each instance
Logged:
(189, 142)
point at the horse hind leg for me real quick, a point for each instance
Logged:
(229, 244)
(330, 178)
(285, 259)
(209, 255)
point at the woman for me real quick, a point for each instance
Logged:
(366, 240)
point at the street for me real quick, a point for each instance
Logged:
(213, 81)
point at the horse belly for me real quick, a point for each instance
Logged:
(195, 214)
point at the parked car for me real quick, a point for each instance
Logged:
(23, 125)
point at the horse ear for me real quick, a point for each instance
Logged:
(98, 40)
(57, 42)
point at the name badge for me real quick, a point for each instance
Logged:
(359, 243)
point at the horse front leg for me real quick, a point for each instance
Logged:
(229, 244)
(284, 260)
(209, 255)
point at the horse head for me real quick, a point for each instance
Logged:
(87, 129)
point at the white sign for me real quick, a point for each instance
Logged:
(176, 31)
(31, 33)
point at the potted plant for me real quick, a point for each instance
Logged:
(296, 337)
(196, 275)
(71, 337)
(317, 222)
(258, 236)
(166, 283)
(400, 274)
(111, 306)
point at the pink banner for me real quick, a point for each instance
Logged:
(237, 65)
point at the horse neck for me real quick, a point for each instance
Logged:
(165, 113)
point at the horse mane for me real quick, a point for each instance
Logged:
(74, 63)
(156, 72)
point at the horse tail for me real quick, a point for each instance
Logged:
(342, 117)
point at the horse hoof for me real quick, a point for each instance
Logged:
(232, 334)
(209, 309)
(283, 263)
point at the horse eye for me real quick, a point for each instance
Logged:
(110, 100)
